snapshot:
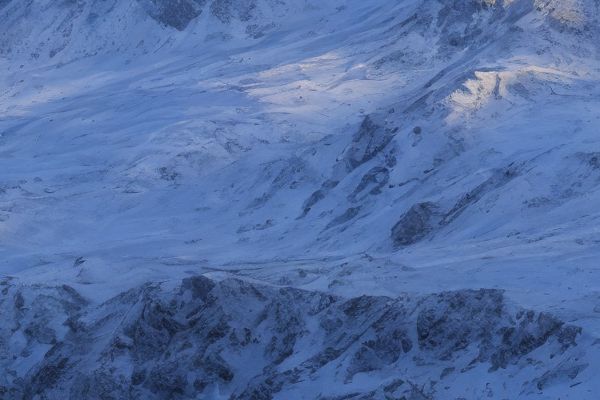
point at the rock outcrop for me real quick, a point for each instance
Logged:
(249, 341)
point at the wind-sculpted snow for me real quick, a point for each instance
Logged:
(347, 176)
(239, 340)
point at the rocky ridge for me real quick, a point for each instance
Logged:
(241, 340)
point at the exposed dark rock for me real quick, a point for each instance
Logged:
(498, 179)
(317, 196)
(226, 10)
(563, 373)
(174, 13)
(256, 227)
(159, 342)
(369, 141)
(532, 331)
(592, 159)
(348, 215)
(441, 326)
(372, 182)
(423, 219)
(415, 224)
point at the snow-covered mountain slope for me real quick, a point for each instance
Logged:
(238, 340)
(342, 148)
